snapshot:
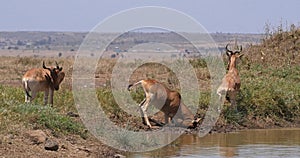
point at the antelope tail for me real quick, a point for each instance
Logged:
(26, 88)
(132, 85)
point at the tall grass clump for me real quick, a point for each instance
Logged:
(47, 117)
(273, 94)
(13, 110)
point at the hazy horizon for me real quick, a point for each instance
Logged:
(232, 16)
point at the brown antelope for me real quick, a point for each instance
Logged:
(231, 82)
(168, 101)
(42, 79)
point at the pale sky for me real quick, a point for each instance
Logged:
(233, 16)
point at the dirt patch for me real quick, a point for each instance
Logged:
(20, 145)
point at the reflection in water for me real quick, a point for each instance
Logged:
(248, 143)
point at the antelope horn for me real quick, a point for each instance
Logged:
(56, 65)
(45, 66)
(228, 52)
(227, 48)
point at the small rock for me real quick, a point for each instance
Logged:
(51, 145)
(10, 136)
(8, 139)
(119, 156)
(72, 114)
(64, 147)
(85, 149)
(36, 136)
(155, 127)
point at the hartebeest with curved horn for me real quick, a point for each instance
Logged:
(168, 101)
(231, 82)
(45, 79)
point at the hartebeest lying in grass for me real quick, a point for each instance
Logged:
(231, 82)
(42, 79)
(168, 101)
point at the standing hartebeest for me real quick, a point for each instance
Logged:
(231, 82)
(42, 79)
(168, 101)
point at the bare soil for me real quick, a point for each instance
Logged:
(20, 145)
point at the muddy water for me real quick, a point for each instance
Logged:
(248, 143)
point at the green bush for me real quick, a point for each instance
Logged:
(274, 94)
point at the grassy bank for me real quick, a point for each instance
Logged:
(270, 74)
(13, 111)
(269, 97)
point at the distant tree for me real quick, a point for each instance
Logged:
(13, 47)
(59, 54)
(20, 43)
(48, 47)
(113, 56)
(40, 42)
(49, 40)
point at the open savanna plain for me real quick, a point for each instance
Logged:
(269, 98)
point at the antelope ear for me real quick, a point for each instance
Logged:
(228, 53)
(240, 55)
(61, 75)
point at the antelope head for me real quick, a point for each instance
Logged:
(56, 75)
(233, 55)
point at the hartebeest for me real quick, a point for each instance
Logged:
(231, 82)
(42, 79)
(168, 101)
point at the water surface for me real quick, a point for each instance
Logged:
(247, 143)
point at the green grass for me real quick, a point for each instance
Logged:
(47, 117)
(13, 110)
(274, 93)
(107, 101)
